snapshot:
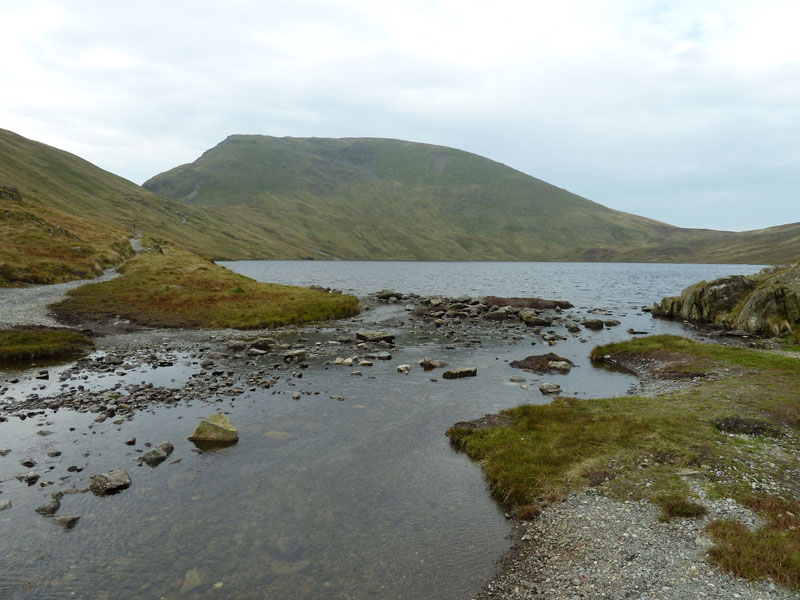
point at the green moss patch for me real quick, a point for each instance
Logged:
(17, 345)
(635, 447)
(170, 287)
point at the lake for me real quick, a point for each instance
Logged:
(358, 497)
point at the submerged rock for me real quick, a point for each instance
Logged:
(543, 363)
(50, 508)
(429, 364)
(115, 480)
(459, 373)
(215, 429)
(67, 522)
(158, 454)
(550, 388)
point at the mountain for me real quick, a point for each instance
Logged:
(365, 198)
(63, 218)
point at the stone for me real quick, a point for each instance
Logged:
(28, 462)
(50, 508)
(404, 369)
(573, 327)
(131, 442)
(388, 295)
(367, 335)
(237, 346)
(496, 315)
(611, 322)
(593, 324)
(381, 355)
(429, 364)
(5, 504)
(550, 388)
(111, 482)
(215, 429)
(365, 363)
(459, 373)
(158, 454)
(5, 451)
(560, 365)
(345, 362)
(531, 318)
(256, 352)
(264, 343)
(294, 356)
(516, 379)
(29, 478)
(67, 522)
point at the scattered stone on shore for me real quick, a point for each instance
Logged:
(67, 522)
(158, 454)
(429, 364)
(367, 335)
(550, 388)
(215, 429)
(459, 373)
(111, 482)
(544, 363)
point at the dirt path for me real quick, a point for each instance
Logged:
(28, 306)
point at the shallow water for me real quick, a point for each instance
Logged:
(321, 498)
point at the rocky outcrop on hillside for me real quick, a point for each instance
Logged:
(767, 303)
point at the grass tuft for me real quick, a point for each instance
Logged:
(175, 288)
(17, 345)
(679, 506)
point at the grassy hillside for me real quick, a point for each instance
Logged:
(63, 218)
(389, 199)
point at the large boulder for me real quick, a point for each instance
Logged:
(215, 430)
(767, 303)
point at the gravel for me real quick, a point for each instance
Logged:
(591, 546)
(28, 306)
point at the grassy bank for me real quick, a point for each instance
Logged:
(17, 345)
(637, 447)
(170, 287)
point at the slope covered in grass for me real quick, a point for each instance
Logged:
(363, 198)
(170, 287)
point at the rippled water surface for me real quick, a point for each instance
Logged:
(321, 498)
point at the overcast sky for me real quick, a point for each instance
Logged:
(687, 112)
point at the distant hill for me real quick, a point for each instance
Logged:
(364, 198)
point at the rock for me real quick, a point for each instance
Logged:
(459, 373)
(28, 462)
(767, 303)
(435, 301)
(237, 346)
(593, 324)
(5, 504)
(543, 363)
(54, 453)
(29, 478)
(382, 355)
(496, 315)
(256, 352)
(294, 356)
(365, 363)
(67, 522)
(388, 295)
(345, 362)
(50, 508)
(611, 322)
(215, 429)
(115, 480)
(367, 335)
(573, 327)
(131, 442)
(516, 379)
(560, 365)
(5, 451)
(429, 364)
(530, 317)
(550, 388)
(264, 343)
(405, 369)
(158, 454)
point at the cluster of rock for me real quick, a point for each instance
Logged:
(767, 303)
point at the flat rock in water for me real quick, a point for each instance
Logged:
(550, 388)
(459, 373)
(593, 324)
(111, 482)
(382, 355)
(158, 454)
(49, 508)
(215, 429)
(67, 522)
(543, 363)
(429, 363)
(367, 335)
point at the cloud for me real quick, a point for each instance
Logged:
(681, 111)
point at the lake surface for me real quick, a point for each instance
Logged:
(321, 498)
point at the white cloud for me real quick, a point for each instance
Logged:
(663, 108)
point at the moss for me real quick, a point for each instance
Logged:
(18, 345)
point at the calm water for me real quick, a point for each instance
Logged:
(360, 498)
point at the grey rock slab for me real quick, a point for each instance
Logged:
(460, 373)
(115, 480)
(368, 335)
(550, 388)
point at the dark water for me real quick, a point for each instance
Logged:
(321, 498)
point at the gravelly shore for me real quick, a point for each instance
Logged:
(590, 546)
(28, 306)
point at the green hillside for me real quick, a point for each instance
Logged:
(364, 198)
(63, 218)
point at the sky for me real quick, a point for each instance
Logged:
(687, 112)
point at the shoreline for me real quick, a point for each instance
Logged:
(570, 541)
